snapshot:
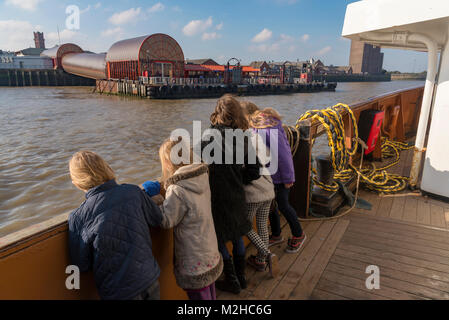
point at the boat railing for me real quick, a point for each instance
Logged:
(400, 123)
(180, 81)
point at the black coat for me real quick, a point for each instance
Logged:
(227, 194)
(109, 234)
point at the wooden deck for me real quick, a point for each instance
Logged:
(406, 236)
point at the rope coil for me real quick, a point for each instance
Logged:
(372, 178)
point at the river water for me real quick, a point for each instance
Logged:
(40, 128)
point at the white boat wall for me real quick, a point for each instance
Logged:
(422, 26)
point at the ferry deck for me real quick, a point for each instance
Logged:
(406, 235)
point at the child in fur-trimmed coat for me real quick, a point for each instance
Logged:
(187, 209)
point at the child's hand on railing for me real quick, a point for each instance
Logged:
(152, 188)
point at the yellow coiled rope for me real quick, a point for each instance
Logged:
(372, 178)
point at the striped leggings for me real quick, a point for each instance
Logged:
(260, 239)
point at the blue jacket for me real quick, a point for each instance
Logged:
(109, 234)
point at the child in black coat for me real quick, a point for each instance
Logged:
(227, 193)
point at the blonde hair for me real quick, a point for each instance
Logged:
(265, 118)
(168, 167)
(229, 112)
(89, 170)
(248, 108)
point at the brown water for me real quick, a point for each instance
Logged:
(40, 128)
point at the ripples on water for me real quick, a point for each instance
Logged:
(40, 128)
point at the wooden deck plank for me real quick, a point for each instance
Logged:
(347, 287)
(394, 273)
(421, 250)
(436, 202)
(423, 213)
(379, 252)
(334, 287)
(310, 278)
(357, 277)
(436, 241)
(375, 201)
(388, 246)
(408, 285)
(319, 294)
(410, 209)
(437, 217)
(394, 234)
(436, 276)
(397, 208)
(446, 217)
(266, 287)
(402, 225)
(297, 270)
(384, 208)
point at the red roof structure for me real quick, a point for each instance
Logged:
(195, 67)
(221, 68)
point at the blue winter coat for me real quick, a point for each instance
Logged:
(109, 234)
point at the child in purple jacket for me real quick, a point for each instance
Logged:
(268, 122)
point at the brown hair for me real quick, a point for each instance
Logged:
(168, 167)
(229, 112)
(88, 170)
(265, 118)
(248, 108)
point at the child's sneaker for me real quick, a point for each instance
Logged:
(275, 240)
(259, 266)
(295, 243)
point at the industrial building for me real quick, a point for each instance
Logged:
(39, 41)
(365, 58)
(157, 55)
(9, 60)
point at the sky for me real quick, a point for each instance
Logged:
(249, 30)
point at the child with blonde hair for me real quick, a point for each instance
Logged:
(109, 233)
(259, 195)
(187, 209)
(268, 122)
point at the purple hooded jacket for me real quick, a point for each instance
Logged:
(285, 173)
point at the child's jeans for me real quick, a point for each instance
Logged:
(151, 293)
(238, 249)
(207, 293)
(287, 210)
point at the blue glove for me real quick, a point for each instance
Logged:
(152, 188)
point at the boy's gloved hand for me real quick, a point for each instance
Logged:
(152, 188)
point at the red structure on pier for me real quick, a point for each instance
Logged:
(158, 55)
